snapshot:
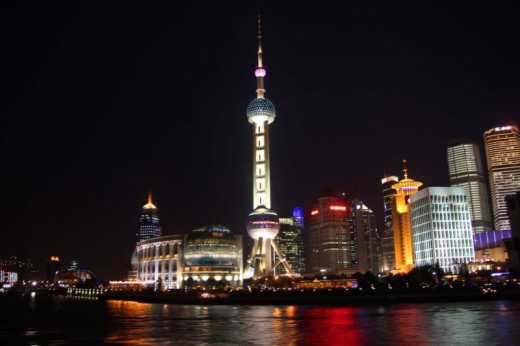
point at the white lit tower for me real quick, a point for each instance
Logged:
(263, 223)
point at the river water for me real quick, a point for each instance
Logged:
(68, 321)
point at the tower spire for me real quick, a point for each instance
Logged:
(260, 71)
(149, 203)
(259, 38)
(405, 169)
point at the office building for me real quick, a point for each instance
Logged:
(387, 259)
(466, 170)
(441, 226)
(328, 238)
(53, 265)
(149, 226)
(513, 244)
(290, 242)
(364, 242)
(503, 161)
(401, 222)
(263, 224)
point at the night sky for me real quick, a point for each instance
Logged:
(103, 103)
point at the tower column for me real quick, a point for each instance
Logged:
(263, 223)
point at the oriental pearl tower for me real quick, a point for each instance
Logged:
(263, 223)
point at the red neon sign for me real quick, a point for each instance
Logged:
(315, 212)
(338, 207)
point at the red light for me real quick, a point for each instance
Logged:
(338, 207)
(315, 212)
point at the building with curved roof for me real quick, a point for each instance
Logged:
(212, 256)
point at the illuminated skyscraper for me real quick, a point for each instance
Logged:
(401, 221)
(387, 260)
(290, 241)
(52, 267)
(328, 238)
(149, 226)
(263, 224)
(503, 161)
(364, 242)
(466, 170)
(441, 226)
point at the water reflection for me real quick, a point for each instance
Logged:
(335, 326)
(130, 323)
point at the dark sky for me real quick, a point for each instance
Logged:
(103, 102)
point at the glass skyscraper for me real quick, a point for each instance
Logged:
(466, 170)
(149, 226)
(503, 162)
(364, 240)
(290, 242)
(387, 259)
(441, 228)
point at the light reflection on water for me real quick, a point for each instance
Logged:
(130, 323)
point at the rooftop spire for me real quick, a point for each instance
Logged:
(260, 71)
(405, 169)
(259, 37)
(149, 204)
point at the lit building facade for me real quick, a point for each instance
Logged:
(466, 170)
(401, 222)
(442, 230)
(212, 256)
(503, 161)
(159, 262)
(328, 238)
(387, 258)
(53, 265)
(149, 226)
(513, 244)
(490, 246)
(364, 242)
(263, 225)
(7, 278)
(290, 243)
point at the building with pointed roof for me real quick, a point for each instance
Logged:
(401, 221)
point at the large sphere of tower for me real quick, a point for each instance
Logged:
(260, 110)
(263, 223)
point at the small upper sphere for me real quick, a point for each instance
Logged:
(261, 109)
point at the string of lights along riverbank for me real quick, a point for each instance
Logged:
(263, 223)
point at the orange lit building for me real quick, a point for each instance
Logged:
(401, 221)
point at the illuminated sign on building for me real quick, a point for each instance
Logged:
(338, 207)
(315, 212)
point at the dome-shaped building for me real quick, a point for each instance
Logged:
(212, 255)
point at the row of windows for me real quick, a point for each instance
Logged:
(159, 250)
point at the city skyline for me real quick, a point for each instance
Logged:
(97, 141)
